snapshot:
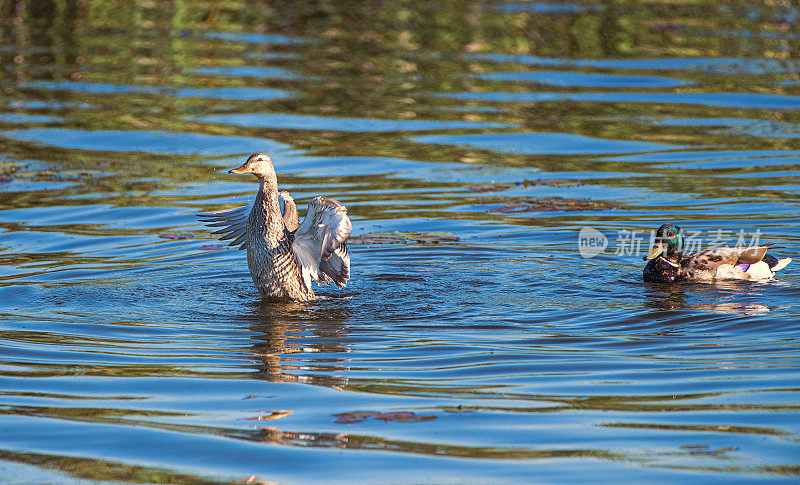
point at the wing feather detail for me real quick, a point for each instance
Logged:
(233, 223)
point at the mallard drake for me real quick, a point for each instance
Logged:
(284, 255)
(667, 263)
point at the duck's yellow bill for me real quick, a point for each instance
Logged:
(243, 169)
(658, 248)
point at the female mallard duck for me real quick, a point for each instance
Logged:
(667, 263)
(283, 255)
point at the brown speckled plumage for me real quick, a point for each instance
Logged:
(272, 264)
(283, 255)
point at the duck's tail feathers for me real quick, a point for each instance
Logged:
(776, 264)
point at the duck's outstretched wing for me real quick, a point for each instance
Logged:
(233, 223)
(319, 243)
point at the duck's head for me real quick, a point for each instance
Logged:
(259, 164)
(669, 241)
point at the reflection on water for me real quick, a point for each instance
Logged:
(472, 332)
(279, 322)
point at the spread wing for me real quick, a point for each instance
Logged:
(233, 222)
(319, 243)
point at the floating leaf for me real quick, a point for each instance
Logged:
(354, 417)
(493, 186)
(552, 182)
(401, 416)
(552, 204)
(210, 247)
(718, 451)
(404, 417)
(277, 414)
(175, 236)
(500, 186)
(403, 237)
(254, 480)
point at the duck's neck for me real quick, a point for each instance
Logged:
(671, 260)
(267, 210)
(673, 257)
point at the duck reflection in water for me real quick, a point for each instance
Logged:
(287, 335)
(721, 296)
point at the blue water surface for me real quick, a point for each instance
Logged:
(495, 328)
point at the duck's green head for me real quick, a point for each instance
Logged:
(668, 241)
